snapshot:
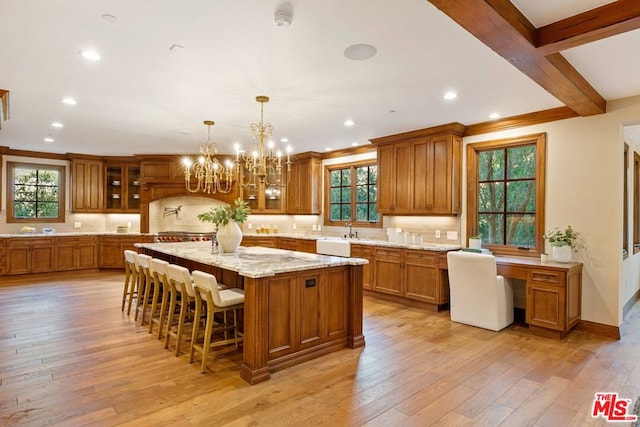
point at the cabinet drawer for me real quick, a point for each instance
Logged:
(424, 257)
(388, 253)
(552, 277)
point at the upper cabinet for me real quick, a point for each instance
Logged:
(419, 172)
(87, 184)
(305, 186)
(261, 198)
(122, 187)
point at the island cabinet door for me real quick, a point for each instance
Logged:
(309, 329)
(335, 304)
(282, 315)
(422, 278)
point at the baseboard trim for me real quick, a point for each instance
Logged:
(630, 304)
(599, 329)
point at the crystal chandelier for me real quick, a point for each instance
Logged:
(262, 164)
(210, 174)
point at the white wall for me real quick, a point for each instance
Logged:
(584, 188)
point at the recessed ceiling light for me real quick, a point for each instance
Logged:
(91, 55)
(48, 140)
(360, 52)
(69, 100)
(355, 144)
(349, 123)
(57, 125)
(494, 116)
(328, 149)
(284, 140)
(450, 95)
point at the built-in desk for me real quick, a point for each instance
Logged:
(553, 292)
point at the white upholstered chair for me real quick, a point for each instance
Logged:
(478, 296)
(145, 286)
(160, 299)
(182, 294)
(131, 279)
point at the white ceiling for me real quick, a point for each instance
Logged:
(143, 98)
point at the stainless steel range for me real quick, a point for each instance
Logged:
(182, 236)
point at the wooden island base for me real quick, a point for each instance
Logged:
(302, 307)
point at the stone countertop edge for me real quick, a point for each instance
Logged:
(252, 261)
(367, 242)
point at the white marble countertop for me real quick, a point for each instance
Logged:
(252, 261)
(438, 247)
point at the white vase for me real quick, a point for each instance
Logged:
(561, 253)
(229, 237)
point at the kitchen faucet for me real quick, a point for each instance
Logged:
(351, 234)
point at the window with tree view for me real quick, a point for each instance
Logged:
(353, 194)
(36, 193)
(506, 209)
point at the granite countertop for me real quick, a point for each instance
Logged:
(72, 234)
(253, 261)
(438, 247)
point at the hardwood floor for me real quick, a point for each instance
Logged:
(69, 356)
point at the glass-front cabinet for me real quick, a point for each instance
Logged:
(122, 187)
(261, 197)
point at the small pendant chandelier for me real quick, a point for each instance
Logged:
(260, 162)
(211, 175)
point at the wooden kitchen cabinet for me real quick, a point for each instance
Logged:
(305, 187)
(365, 252)
(553, 298)
(300, 245)
(122, 187)
(87, 185)
(29, 255)
(112, 249)
(260, 198)
(76, 253)
(419, 172)
(266, 241)
(410, 275)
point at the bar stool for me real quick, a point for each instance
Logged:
(208, 294)
(145, 286)
(180, 286)
(158, 270)
(130, 279)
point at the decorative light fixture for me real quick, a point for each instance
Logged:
(260, 163)
(211, 175)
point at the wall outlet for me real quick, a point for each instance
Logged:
(249, 226)
(452, 235)
(437, 234)
(77, 224)
(319, 227)
(294, 226)
(314, 227)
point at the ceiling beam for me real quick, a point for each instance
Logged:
(502, 27)
(595, 24)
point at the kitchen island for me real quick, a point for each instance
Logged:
(298, 306)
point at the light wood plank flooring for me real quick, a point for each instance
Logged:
(69, 356)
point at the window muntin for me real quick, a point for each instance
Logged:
(352, 194)
(506, 194)
(35, 192)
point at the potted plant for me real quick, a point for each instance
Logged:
(475, 242)
(226, 218)
(563, 242)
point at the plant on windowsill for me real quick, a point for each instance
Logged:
(226, 219)
(475, 242)
(563, 242)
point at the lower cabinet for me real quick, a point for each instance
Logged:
(365, 252)
(29, 255)
(76, 253)
(267, 242)
(410, 274)
(112, 249)
(553, 298)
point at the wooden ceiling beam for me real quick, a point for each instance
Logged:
(595, 24)
(502, 27)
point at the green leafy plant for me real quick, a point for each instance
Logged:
(566, 237)
(237, 212)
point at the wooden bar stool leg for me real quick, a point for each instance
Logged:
(133, 286)
(172, 309)
(127, 279)
(163, 309)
